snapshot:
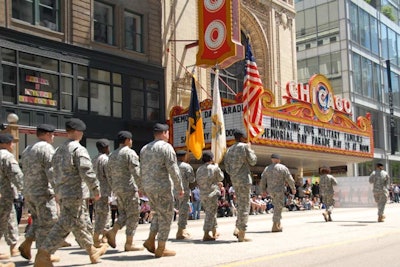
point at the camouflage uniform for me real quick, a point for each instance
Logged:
(207, 177)
(188, 177)
(326, 183)
(72, 165)
(101, 206)
(39, 192)
(380, 180)
(159, 173)
(238, 160)
(123, 172)
(275, 176)
(10, 173)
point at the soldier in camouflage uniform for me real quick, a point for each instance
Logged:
(123, 173)
(102, 208)
(273, 179)
(160, 173)
(238, 160)
(188, 177)
(207, 177)
(326, 183)
(380, 180)
(10, 174)
(39, 188)
(71, 165)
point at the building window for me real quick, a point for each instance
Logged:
(103, 23)
(145, 99)
(100, 93)
(133, 32)
(45, 13)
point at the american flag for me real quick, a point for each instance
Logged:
(252, 90)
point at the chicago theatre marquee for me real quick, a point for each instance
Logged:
(313, 128)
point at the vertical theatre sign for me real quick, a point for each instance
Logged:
(312, 119)
(219, 33)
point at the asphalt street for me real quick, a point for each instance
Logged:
(354, 238)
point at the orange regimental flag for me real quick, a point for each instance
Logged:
(195, 132)
(252, 91)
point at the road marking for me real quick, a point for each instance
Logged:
(304, 250)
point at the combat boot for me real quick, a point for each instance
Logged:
(14, 252)
(326, 217)
(207, 236)
(96, 240)
(8, 264)
(236, 232)
(161, 251)
(65, 244)
(215, 233)
(150, 243)
(54, 258)
(276, 227)
(241, 237)
(329, 216)
(4, 256)
(381, 218)
(130, 246)
(42, 259)
(25, 248)
(96, 253)
(111, 235)
(182, 234)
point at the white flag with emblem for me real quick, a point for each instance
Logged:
(218, 136)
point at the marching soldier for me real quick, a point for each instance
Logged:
(380, 180)
(326, 183)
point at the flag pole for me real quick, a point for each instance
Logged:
(247, 92)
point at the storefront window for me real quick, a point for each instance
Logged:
(83, 95)
(100, 99)
(133, 31)
(145, 99)
(117, 102)
(38, 61)
(45, 13)
(9, 84)
(38, 88)
(103, 23)
(66, 93)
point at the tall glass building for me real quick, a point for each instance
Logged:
(353, 42)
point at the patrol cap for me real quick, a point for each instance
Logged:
(207, 156)
(160, 127)
(6, 138)
(102, 143)
(45, 128)
(75, 124)
(238, 132)
(181, 153)
(379, 164)
(275, 156)
(122, 135)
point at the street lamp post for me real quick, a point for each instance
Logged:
(13, 129)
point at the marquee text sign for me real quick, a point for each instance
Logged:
(219, 33)
(281, 132)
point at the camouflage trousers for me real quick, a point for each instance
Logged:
(43, 211)
(380, 199)
(183, 211)
(128, 211)
(8, 222)
(329, 202)
(72, 219)
(102, 214)
(242, 192)
(162, 203)
(210, 206)
(278, 201)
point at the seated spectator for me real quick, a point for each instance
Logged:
(307, 203)
(254, 205)
(298, 204)
(291, 204)
(268, 201)
(224, 209)
(263, 204)
(316, 203)
(145, 212)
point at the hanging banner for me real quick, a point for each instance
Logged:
(219, 33)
